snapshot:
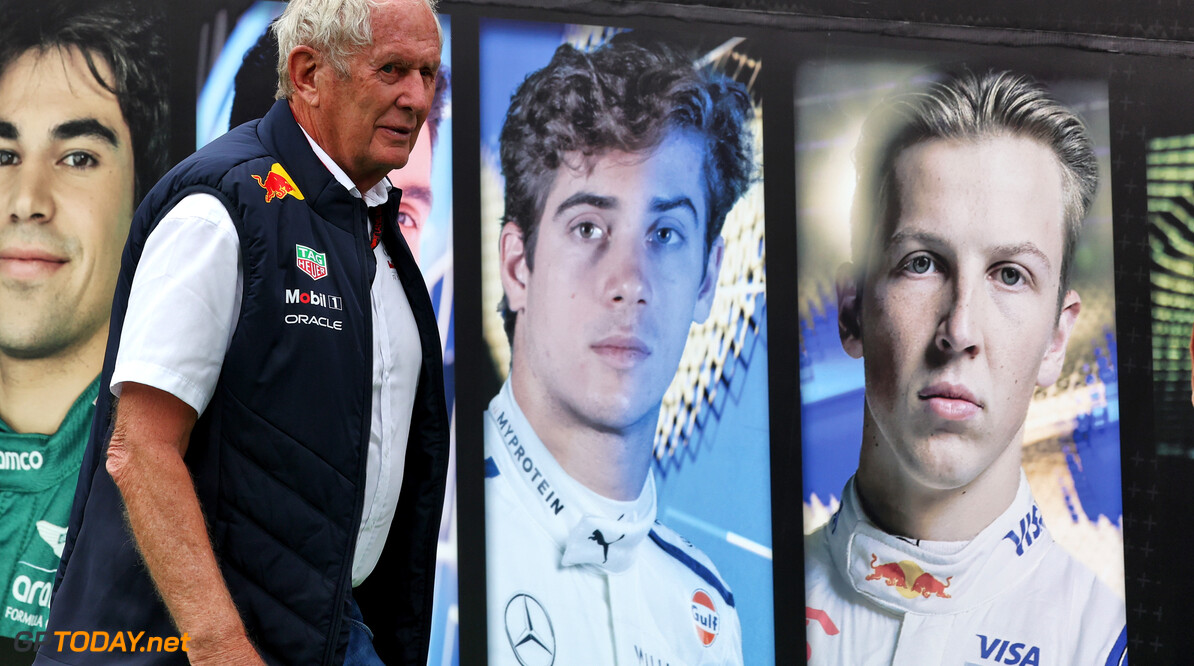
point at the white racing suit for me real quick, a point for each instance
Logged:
(1009, 596)
(576, 578)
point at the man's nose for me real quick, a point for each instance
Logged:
(959, 330)
(417, 93)
(627, 274)
(30, 193)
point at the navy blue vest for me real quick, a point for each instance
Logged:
(278, 457)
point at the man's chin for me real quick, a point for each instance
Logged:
(616, 413)
(949, 468)
(29, 345)
(393, 156)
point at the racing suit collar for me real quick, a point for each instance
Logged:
(591, 530)
(937, 577)
(31, 462)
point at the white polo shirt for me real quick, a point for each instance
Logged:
(183, 309)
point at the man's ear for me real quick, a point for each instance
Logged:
(1054, 357)
(303, 63)
(708, 289)
(512, 264)
(849, 310)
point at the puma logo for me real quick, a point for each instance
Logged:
(600, 539)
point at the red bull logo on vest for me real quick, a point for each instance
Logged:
(311, 262)
(908, 578)
(278, 184)
(705, 617)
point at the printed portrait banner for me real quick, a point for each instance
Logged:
(1070, 452)
(709, 445)
(712, 419)
(84, 132)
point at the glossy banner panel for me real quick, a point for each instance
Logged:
(944, 356)
(622, 235)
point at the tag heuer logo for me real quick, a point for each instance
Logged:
(311, 262)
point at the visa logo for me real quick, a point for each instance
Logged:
(1030, 528)
(648, 659)
(1003, 651)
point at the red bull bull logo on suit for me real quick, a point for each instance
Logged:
(909, 579)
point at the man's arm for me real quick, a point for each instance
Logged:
(145, 461)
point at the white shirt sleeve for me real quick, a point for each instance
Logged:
(184, 303)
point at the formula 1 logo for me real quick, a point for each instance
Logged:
(278, 184)
(705, 617)
(311, 262)
(898, 575)
(529, 631)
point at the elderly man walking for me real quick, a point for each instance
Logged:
(266, 472)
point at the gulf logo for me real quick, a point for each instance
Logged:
(705, 617)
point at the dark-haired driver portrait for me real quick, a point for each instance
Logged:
(620, 167)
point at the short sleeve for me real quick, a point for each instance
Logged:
(184, 303)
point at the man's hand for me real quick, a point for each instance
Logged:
(145, 461)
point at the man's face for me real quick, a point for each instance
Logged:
(66, 182)
(620, 272)
(370, 119)
(414, 180)
(959, 316)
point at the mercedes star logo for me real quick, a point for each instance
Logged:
(529, 629)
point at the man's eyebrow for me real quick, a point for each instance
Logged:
(418, 193)
(8, 131)
(922, 237)
(927, 238)
(664, 205)
(1027, 247)
(406, 62)
(587, 199)
(73, 129)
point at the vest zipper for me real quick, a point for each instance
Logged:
(344, 588)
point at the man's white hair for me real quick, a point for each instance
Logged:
(336, 28)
